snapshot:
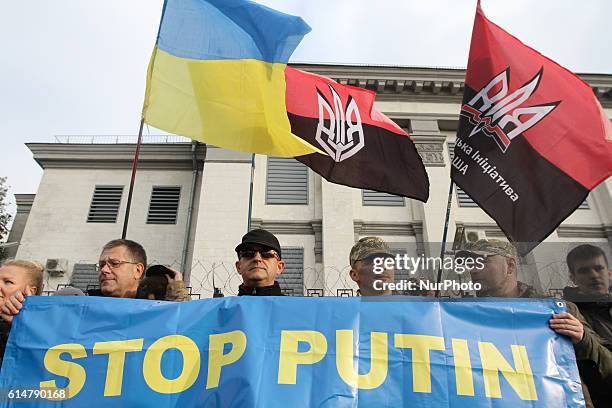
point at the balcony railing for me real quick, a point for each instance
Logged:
(120, 139)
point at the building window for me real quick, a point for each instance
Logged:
(105, 204)
(286, 181)
(163, 208)
(463, 198)
(369, 197)
(291, 280)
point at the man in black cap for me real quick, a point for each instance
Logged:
(259, 263)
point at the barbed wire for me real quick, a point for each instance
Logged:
(549, 279)
(205, 278)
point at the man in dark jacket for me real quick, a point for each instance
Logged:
(590, 272)
(259, 263)
(120, 269)
(498, 277)
(593, 357)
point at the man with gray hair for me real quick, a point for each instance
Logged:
(120, 267)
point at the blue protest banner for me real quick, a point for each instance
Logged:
(289, 352)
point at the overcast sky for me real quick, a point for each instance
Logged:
(76, 67)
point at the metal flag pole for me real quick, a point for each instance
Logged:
(251, 192)
(443, 244)
(134, 166)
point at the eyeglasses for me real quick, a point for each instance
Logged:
(113, 264)
(250, 253)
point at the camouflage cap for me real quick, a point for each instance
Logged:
(368, 246)
(488, 247)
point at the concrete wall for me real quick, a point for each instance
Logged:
(57, 226)
(222, 220)
(24, 205)
(281, 211)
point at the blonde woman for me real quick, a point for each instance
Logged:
(18, 278)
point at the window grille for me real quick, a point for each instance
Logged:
(378, 198)
(84, 276)
(292, 278)
(105, 204)
(286, 181)
(163, 208)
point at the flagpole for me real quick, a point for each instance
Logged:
(251, 193)
(443, 244)
(134, 166)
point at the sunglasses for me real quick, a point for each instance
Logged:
(250, 253)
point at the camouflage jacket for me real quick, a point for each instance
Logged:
(177, 292)
(527, 291)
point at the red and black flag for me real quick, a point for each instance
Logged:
(365, 149)
(533, 139)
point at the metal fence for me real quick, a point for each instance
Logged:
(207, 278)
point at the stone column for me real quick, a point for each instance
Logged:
(338, 234)
(601, 200)
(430, 144)
(222, 220)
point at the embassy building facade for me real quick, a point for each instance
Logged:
(191, 201)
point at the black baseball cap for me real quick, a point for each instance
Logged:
(260, 237)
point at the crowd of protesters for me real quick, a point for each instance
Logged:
(122, 273)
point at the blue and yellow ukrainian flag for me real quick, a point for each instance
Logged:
(217, 74)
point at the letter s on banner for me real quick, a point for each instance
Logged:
(73, 371)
